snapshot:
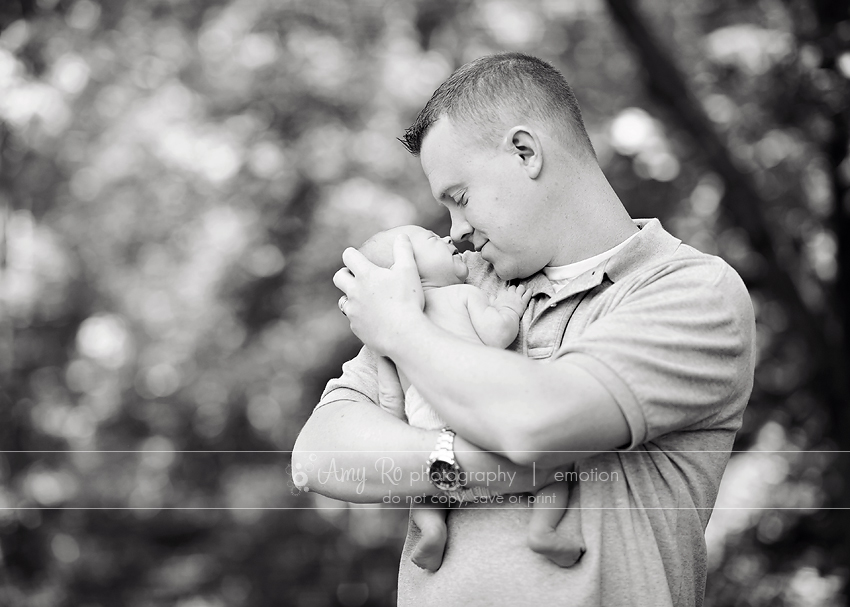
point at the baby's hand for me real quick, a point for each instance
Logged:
(513, 298)
(496, 319)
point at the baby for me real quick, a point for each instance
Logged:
(467, 312)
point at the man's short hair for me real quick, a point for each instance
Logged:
(490, 92)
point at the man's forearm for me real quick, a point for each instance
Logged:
(499, 400)
(356, 452)
(509, 404)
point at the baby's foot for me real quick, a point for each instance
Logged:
(428, 553)
(563, 551)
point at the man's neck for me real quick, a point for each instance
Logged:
(596, 221)
(596, 239)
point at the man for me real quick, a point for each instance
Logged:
(634, 360)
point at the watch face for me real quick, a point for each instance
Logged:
(445, 476)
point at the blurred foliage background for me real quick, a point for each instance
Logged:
(179, 178)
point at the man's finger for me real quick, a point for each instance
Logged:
(356, 261)
(343, 280)
(403, 253)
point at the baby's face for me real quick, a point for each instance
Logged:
(438, 260)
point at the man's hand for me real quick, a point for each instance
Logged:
(381, 302)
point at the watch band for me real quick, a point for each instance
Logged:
(446, 442)
(443, 469)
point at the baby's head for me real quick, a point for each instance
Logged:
(437, 259)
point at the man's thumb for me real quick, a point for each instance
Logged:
(403, 252)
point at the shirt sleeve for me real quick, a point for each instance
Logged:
(676, 350)
(359, 381)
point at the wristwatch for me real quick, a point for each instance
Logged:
(443, 468)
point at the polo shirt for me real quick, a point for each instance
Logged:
(669, 332)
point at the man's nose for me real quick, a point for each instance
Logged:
(461, 230)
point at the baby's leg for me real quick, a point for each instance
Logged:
(558, 540)
(432, 523)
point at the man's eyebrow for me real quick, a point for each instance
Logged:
(445, 193)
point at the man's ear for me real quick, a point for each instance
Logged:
(523, 142)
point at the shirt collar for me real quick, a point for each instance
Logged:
(652, 240)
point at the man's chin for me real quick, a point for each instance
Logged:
(508, 272)
(504, 269)
(504, 273)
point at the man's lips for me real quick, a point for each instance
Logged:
(478, 249)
